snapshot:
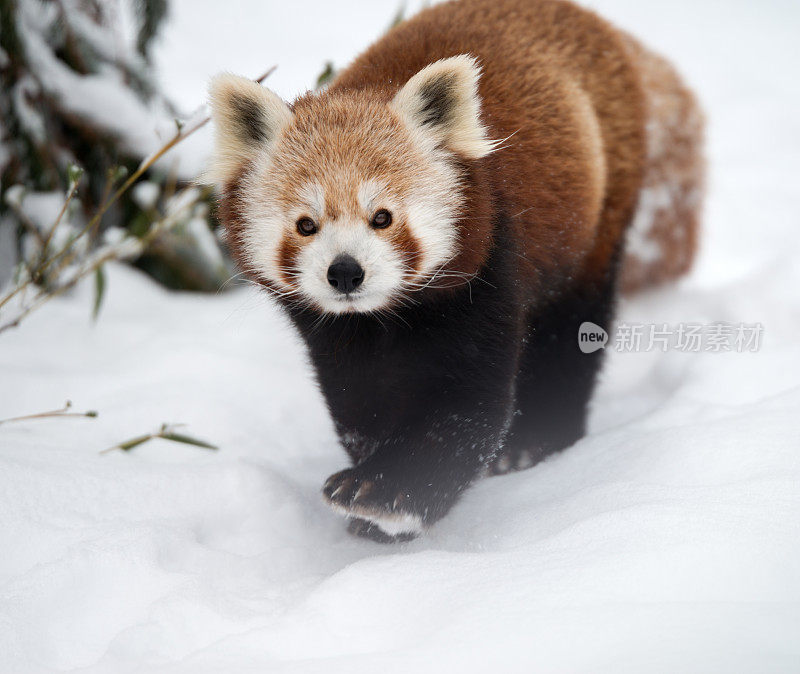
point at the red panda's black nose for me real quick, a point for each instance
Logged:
(345, 274)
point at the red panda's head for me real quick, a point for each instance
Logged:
(347, 200)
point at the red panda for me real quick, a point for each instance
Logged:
(441, 219)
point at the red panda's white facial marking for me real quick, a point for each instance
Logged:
(342, 201)
(299, 264)
(334, 161)
(382, 265)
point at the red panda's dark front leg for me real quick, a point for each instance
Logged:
(421, 405)
(413, 480)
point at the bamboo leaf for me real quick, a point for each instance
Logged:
(74, 174)
(119, 173)
(99, 290)
(399, 17)
(179, 437)
(326, 75)
(133, 442)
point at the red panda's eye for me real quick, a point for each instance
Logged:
(381, 219)
(306, 226)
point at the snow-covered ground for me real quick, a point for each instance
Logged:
(667, 540)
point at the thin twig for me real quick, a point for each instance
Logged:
(72, 190)
(63, 412)
(46, 295)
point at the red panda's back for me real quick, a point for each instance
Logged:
(559, 82)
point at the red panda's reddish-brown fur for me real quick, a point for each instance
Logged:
(527, 145)
(595, 124)
(541, 87)
(666, 222)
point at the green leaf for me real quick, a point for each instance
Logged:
(99, 290)
(119, 173)
(326, 75)
(399, 17)
(74, 174)
(178, 437)
(133, 442)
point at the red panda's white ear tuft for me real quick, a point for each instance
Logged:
(443, 99)
(247, 118)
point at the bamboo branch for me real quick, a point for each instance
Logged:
(39, 271)
(72, 190)
(95, 263)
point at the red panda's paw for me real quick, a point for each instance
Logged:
(366, 529)
(377, 507)
(510, 460)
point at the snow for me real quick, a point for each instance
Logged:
(146, 194)
(105, 98)
(651, 201)
(666, 540)
(40, 209)
(28, 116)
(102, 98)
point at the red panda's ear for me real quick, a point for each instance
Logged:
(247, 118)
(442, 98)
